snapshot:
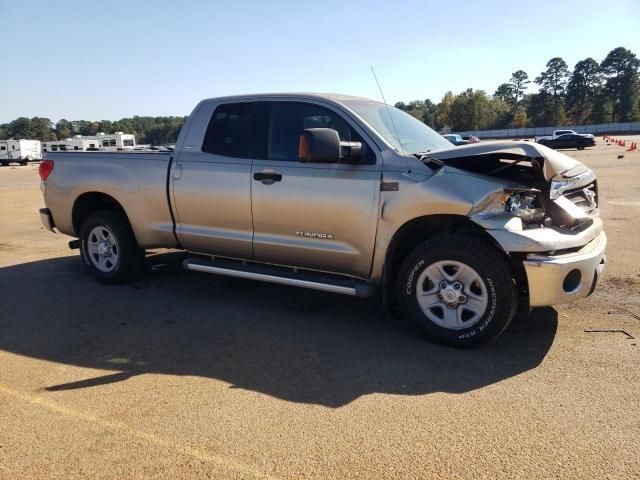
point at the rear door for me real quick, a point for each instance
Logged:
(310, 215)
(212, 180)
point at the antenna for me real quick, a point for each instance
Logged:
(389, 113)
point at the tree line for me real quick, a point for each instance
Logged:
(592, 92)
(153, 130)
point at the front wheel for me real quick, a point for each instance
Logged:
(108, 247)
(459, 290)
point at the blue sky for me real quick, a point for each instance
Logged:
(107, 60)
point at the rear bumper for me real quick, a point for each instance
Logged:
(565, 278)
(47, 219)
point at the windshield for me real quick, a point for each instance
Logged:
(415, 136)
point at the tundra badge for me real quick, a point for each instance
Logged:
(325, 236)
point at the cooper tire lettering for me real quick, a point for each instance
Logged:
(492, 269)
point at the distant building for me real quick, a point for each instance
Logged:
(101, 141)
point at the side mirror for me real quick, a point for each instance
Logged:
(351, 151)
(321, 145)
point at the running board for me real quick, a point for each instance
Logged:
(282, 275)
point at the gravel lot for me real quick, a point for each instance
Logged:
(184, 375)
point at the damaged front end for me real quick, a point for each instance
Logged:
(546, 215)
(543, 188)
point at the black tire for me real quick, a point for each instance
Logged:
(130, 257)
(581, 148)
(491, 267)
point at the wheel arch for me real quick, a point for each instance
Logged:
(90, 202)
(416, 231)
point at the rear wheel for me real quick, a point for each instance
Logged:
(459, 290)
(109, 249)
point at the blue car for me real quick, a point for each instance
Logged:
(456, 139)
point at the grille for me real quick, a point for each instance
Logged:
(585, 198)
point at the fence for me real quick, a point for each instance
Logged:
(598, 129)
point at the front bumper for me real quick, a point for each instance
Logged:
(47, 219)
(565, 278)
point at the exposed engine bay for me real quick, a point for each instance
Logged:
(545, 188)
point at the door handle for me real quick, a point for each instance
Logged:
(177, 171)
(267, 178)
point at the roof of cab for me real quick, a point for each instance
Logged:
(336, 97)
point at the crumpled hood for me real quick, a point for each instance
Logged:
(554, 164)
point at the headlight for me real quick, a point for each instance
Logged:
(558, 186)
(521, 203)
(524, 205)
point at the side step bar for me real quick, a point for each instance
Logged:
(282, 275)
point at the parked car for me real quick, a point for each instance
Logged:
(470, 138)
(557, 133)
(568, 140)
(456, 139)
(344, 195)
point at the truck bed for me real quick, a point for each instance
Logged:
(137, 180)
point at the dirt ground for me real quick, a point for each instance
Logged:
(185, 375)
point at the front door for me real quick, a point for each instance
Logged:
(310, 215)
(212, 181)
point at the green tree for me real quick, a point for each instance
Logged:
(620, 69)
(582, 89)
(64, 129)
(472, 110)
(520, 118)
(444, 109)
(430, 116)
(539, 107)
(21, 128)
(424, 110)
(41, 129)
(506, 93)
(554, 82)
(519, 81)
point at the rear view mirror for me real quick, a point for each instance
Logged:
(320, 145)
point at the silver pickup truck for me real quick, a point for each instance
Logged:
(345, 195)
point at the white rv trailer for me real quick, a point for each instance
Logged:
(101, 141)
(19, 151)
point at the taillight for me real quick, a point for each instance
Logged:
(46, 167)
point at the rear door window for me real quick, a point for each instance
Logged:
(232, 131)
